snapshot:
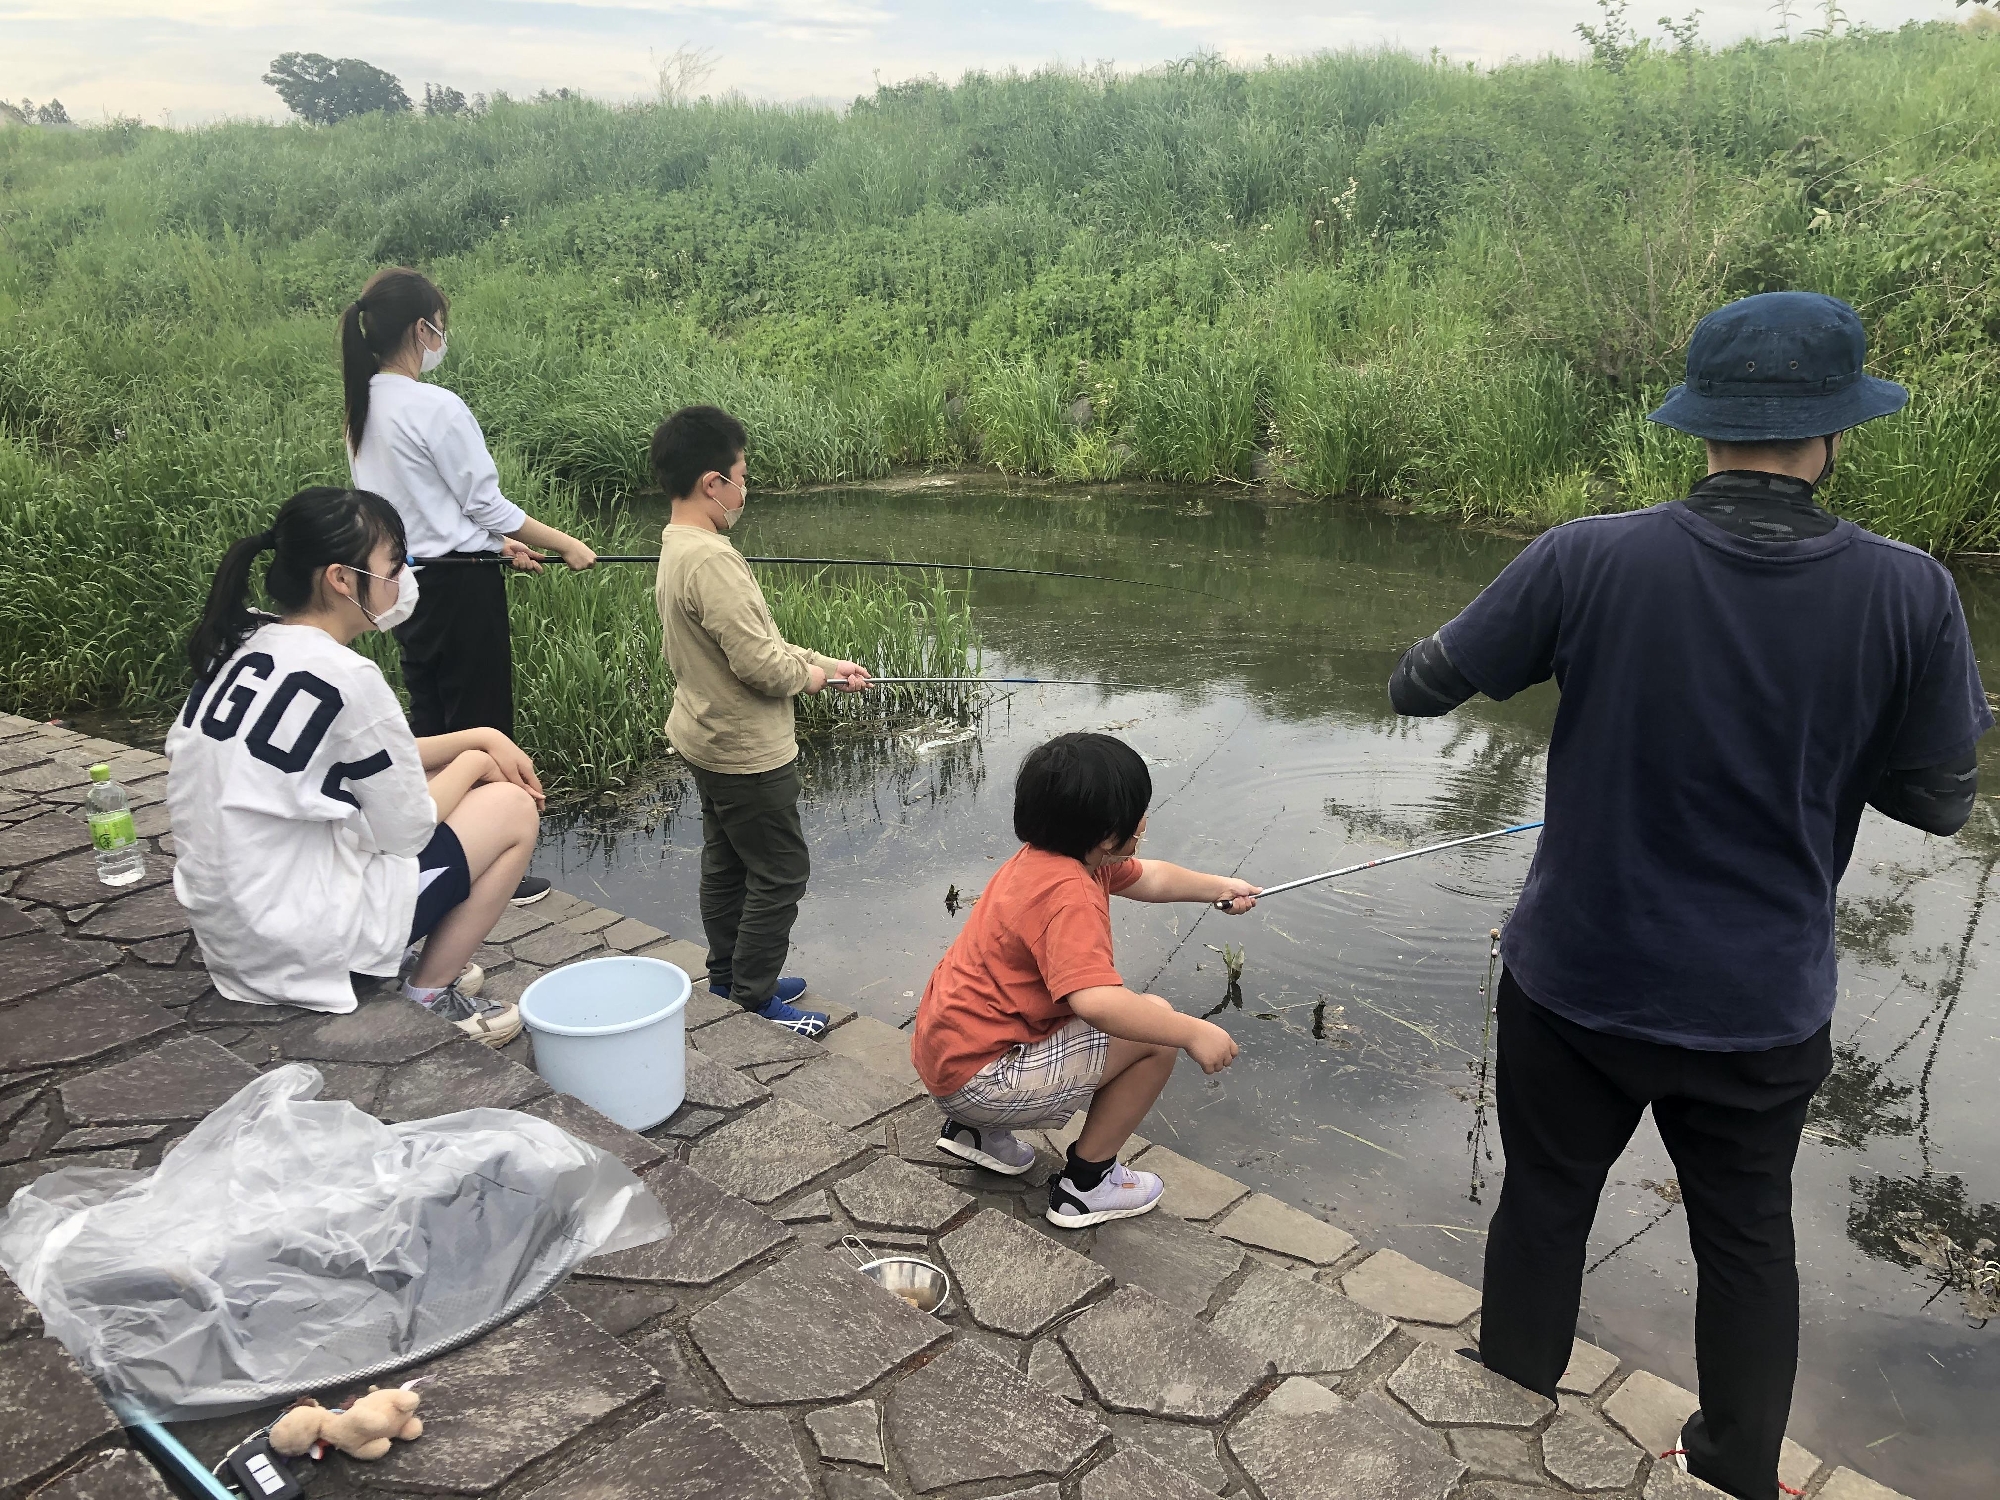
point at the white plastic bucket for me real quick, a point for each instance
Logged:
(608, 1030)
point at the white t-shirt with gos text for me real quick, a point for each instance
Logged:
(299, 807)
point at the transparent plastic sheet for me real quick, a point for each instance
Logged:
(290, 1244)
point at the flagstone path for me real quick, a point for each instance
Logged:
(1228, 1344)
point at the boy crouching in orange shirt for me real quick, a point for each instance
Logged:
(1026, 1019)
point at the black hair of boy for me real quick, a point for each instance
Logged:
(1079, 790)
(694, 441)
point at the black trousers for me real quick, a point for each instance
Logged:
(754, 868)
(1569, 1100)
(458, 661)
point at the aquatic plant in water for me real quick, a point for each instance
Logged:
(1974, 1274)
(1232, 965)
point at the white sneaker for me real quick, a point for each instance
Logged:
(996, 1150)
(1123, 1194)
(469, 980)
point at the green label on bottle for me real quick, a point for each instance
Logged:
(113, 830)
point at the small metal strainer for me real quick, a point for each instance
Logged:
(919, 1283)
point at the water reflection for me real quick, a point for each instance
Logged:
(1859, 1100)
(1363, 1006)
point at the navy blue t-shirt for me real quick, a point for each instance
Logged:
(1727, 707)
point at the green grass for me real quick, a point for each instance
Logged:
(1367, 274)
(112, 555)
(595, 691)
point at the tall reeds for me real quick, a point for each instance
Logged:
(1354, 273)
(111, 553)
(1361, 273)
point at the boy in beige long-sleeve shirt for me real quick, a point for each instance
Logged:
(734, 681)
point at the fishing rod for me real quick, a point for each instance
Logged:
(1387, 859)
(653, 558)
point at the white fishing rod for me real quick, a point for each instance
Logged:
(1387, 859)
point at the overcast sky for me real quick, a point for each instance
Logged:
(186, 61)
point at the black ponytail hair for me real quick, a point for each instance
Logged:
(314, 528)
(374, 326)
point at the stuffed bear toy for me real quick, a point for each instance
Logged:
(362, 1431)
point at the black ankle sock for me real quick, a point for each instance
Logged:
(1085, 1175)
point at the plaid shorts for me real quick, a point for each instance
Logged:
(1036, 1083)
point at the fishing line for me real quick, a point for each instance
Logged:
(652, 558)
(1204, 762)
(1216, 906)
(1387, 859)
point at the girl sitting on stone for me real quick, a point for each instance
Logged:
(314, 835)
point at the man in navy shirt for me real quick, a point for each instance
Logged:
(1741, 672)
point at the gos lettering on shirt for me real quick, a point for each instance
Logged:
(299, 805)
(297, 716)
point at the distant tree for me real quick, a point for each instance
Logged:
(686, 69)
(1614, 44)
(440, 100)
(556, 96)
(27, 112)
(1685, 32)
(324, 91)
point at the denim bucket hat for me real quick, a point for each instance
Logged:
(1778, 366)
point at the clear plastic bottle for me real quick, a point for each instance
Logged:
(121, 858)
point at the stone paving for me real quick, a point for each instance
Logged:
(1228, 1344)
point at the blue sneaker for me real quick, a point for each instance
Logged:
(806, 1023)
(789, 989)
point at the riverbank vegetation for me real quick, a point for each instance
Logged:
(1362, 274)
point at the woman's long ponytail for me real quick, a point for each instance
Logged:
(374, 326)
(226, 619)
(358, 365)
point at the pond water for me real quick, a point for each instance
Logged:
(1258, 699)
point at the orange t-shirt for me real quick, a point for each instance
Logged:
(1040, 931)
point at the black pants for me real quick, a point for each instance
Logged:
(1569, 1100)
(754, 868)
(458, 661)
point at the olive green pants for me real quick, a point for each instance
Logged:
(754, 867)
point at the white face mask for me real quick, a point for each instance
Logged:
(731, 517)
(406, 599)
(433, 357)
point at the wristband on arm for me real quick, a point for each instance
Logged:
(1426, 684)
(1938, 799)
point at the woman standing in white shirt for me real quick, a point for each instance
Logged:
(315, 835)
(418, 446)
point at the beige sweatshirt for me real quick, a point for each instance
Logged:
(734, 675)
